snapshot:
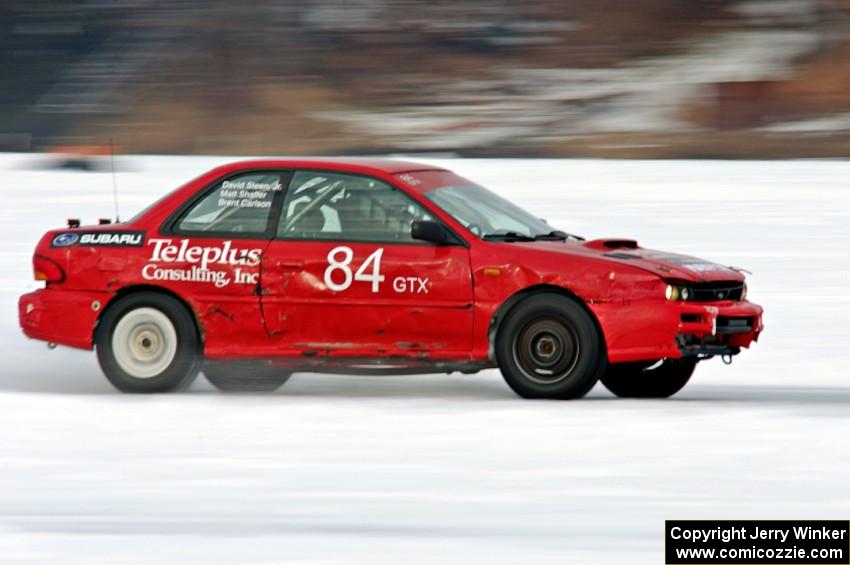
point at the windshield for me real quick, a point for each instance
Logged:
(485, 213)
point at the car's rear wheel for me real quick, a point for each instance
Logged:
(656, 380)
(244, 377)
(549, 347)
(148, 342)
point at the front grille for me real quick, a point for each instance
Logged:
(716, 291)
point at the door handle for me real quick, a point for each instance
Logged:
(291, 265)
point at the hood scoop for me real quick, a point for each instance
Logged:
(611, 244)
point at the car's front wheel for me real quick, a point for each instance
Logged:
(244, 377)
(148, 342)
(641, 380)
(549, 347)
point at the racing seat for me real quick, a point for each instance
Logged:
(309, 225)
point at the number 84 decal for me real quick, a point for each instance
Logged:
(339, 259)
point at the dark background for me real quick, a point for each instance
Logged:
(612, 78)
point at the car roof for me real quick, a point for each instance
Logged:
(351, 164)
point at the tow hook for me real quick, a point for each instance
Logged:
(726, 358)
(51, 345)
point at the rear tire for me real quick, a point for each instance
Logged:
(148, 342)
(639, 380)
(549, 347)
(244, 377)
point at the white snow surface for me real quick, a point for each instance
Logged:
(442, 469)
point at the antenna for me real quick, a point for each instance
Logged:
(114, 178)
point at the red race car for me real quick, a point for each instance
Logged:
(258, 269)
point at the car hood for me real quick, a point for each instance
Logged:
(627, 252)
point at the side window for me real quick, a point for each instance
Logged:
(241, 205)
(334, 206)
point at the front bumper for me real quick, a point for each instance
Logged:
(643, 331)
(66, 317)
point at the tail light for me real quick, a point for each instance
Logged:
(46, 270)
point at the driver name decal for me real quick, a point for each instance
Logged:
(247, 194)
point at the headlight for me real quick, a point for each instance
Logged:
(671, 292)
(674, 292)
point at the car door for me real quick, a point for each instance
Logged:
(344, 277)
(209, 251)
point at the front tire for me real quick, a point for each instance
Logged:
(639, 380)
(549, 347)
(244, 377)
(148, 342)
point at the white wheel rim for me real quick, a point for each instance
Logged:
(144, 343)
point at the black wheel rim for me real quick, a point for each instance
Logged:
(546, 350)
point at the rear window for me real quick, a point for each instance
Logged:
(241, 204)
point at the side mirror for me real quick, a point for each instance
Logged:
(435, 232)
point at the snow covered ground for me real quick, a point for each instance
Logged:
(334, 469)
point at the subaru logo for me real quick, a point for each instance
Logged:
(65, 239)
(720, 294)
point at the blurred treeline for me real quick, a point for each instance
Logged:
(625, 78)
